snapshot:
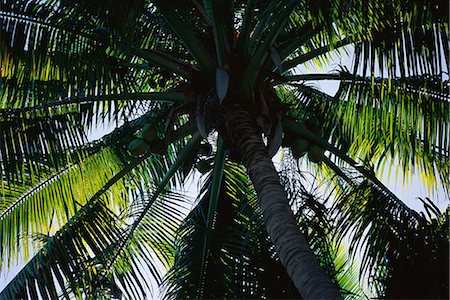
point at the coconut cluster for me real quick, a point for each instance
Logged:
(204, 164)
(301, 146)
(146, 141)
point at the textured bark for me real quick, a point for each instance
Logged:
(292, 248)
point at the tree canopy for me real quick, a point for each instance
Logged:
(210, 91)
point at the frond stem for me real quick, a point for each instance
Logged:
(174, 97)
(36, 188)
(195, 140)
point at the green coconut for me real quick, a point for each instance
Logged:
(315, 154)
(149, 133)
(203, 166)
(137, 147)
(205, 149)
(313, 125)
(158, 146)
(287, 140)
(299, 147)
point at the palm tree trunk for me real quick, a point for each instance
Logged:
(292, 248)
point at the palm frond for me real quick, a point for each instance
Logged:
(156, 166)
(221, 273)
(241, 261)
(216, 182)
(382, 120)
(187, 151)
(348, 276)
(271, 28)
(149, 251)
(398, 243)
(54, 201)
(117, 140)
(406, 38)
(405, 120)
(65, 253)
(144, 242)
(36, 143)
(411, 39)
(310, 202)
(138, 257)
(77, 246)
(59, 56)
(44, 139)
(221, 15)
(190, 38)
(391, 240)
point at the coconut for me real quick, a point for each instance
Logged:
(315, 154)
(158, 146)
(203, 166)
(287, 140)
(299, 147)
(149, 133)
(205, 149)
(313, 125)
(138, 147)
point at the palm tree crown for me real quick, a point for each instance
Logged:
(102, 218)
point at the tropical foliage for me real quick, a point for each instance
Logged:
(210, 91)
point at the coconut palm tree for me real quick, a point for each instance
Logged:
(167, 76)
(240, 262)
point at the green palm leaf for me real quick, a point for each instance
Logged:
(399, 242)
(388, 120)
(55, 200)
